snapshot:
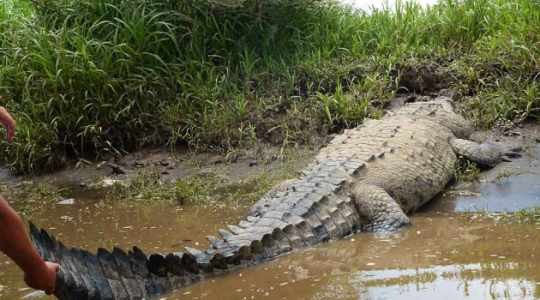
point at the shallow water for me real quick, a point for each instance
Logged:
(508, 188)
(446, 254)
(441, 257)
(91, 223)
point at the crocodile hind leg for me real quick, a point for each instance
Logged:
(379, 208)
(485, 154)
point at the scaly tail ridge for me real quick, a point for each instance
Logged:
(114, 275)
(311, 211)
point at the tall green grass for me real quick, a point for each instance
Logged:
(97, 77)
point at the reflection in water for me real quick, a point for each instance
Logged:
(473, 281)
(441, 257)
(520, 192)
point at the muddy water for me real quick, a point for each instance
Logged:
(445, 255)
(449, 252)
(441, 257)
(91, 223)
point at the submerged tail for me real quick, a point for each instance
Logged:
(314, 209)
(116, 274)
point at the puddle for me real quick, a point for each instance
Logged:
(446, 282)
(509, 187)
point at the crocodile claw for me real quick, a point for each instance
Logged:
(510, 154)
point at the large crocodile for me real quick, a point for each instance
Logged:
(367, 179)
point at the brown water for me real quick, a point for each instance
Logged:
(91, 223)
(446, 254)
(441, 257)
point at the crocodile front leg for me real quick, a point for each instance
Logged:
(380, 209)
(485, 154)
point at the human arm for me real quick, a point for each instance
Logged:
(8, 122)
(14, 242)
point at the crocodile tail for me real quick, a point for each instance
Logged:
(312, 214)
(118, 274)
(114, 274)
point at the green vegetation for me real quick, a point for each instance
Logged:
(200, 188)
(524, 216)
(89, 77)
(528, 216)
(32, 197)
(466, 170)
(148, 186)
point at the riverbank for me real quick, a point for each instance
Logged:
(157, 176)
(185, 178)
(99, 79)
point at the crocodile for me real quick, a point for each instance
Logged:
(367, 179)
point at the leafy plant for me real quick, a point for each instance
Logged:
(93, 77)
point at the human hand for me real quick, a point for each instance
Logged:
(43, 278)
(8, 122)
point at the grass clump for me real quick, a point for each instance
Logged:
(466, 170)
(508, 100)
(31, 197)
(525, 216)
(148, 186)
(528, 216)
(89, 78)
(194, 189)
